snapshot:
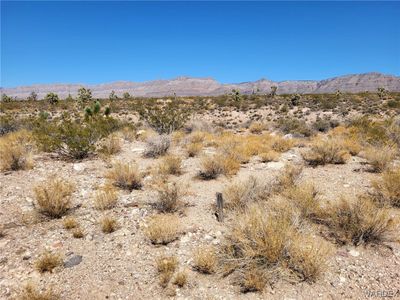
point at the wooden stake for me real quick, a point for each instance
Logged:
(220, 208)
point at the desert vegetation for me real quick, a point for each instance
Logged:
(309, 183)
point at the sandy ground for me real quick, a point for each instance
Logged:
(121, 265)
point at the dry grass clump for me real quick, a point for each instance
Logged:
(53, 197)
(70, 223)
(193, 149)
(16, 151)
(347, 137)
(171, 165)
(30, 292)
(281, 145)
(256, 127)
(380, 157)
(240, 194)
(157, 146)
(108, 224)
(169, 198)
(180, 279)
(267, 241)
(163, 229)
(308, 257)
(358, 221)
(304, 198)
(387, 189)
(288, 177)
(105, 198)
(48, 261)
(205, 260)
(197, 137)
(125, 176)
(269, 156)
(351, 145)
(166, 266)
(323, 152)
(78, 233)
(110, 145)
(127, 133)
(218, 164)
(252, 280)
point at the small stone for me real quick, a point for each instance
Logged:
(78, 167)
(342, 279)
(27, 256)
(208, 237)
(354, 253)
(73, 261)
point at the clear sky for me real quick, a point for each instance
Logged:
(95, 42)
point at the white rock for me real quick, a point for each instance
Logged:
(354, 253)
(208, 237)
(78, 167)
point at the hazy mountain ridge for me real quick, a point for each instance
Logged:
(188, 86)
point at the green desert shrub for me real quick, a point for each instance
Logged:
(73, 138)
(165, 118)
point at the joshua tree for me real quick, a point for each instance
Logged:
(52, 98)
(69, 98)
(295, 99)
(112, 96)
(273, 91)
(126, 96)
(84, 96)
(6, 98)
(33, 96)
(382, 93)
(236, 96)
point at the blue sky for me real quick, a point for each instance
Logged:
(94, 42)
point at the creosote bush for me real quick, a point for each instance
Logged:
(125, 176)
(48, 261)
(53, 197)
(16, 151)
(74, 139)
(163, 229)
(165, 118)
(157, 146)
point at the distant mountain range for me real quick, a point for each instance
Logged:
(188, 86)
